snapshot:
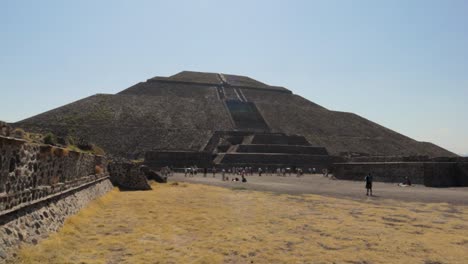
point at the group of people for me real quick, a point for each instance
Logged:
(250, 171)
(167, 171)
(191, 171)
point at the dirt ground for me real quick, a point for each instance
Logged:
(291, 220)
(318, 184)
(197, 223)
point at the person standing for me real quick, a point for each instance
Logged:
(369, 179)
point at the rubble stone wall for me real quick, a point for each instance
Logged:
(40, 185)
(30, 172)
(34, 223)
(129, 176)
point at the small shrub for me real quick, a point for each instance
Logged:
(50, 139)
(84, 145)
(97, 150)
(62, 141)
(19, 133)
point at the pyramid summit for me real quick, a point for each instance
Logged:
(223, 115)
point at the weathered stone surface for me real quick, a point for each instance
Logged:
(129, 175)
(153, 175)
(181, 113)
(34, 223)
(41, 185)
(30, 172)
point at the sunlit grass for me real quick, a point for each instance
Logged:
(189, 223)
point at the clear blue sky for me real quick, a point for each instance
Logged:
(402, 64)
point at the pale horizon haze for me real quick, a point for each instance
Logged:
(401, 64)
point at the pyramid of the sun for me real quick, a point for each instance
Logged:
(183, 112)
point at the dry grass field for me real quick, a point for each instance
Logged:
(193, 223)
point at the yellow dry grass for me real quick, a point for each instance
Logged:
(189, 223)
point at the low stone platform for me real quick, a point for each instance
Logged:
(242, 149)
(180, 159)
(270, 150)
(271, 160)
(429, 173)
(287, 149)
(279, 139)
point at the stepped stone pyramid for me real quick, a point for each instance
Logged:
(205, 113)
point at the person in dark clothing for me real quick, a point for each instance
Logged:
(369, 180)
(244, 179)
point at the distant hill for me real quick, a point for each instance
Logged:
(182, 111)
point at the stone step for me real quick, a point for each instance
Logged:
(247, 140)
(179, 159)
(285, 149)
(271, 159)
(218, 158)
(246, 116)
(233, 149)
(278, 139)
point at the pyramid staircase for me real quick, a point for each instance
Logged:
(272, 150)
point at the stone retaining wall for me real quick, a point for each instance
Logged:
(30, 172)
(34, 223)
(432, 174)
(41, 185)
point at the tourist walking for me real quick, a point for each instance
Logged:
(369, 180)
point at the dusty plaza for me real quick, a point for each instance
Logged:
(269, 219)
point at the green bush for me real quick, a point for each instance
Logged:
(50, 139)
